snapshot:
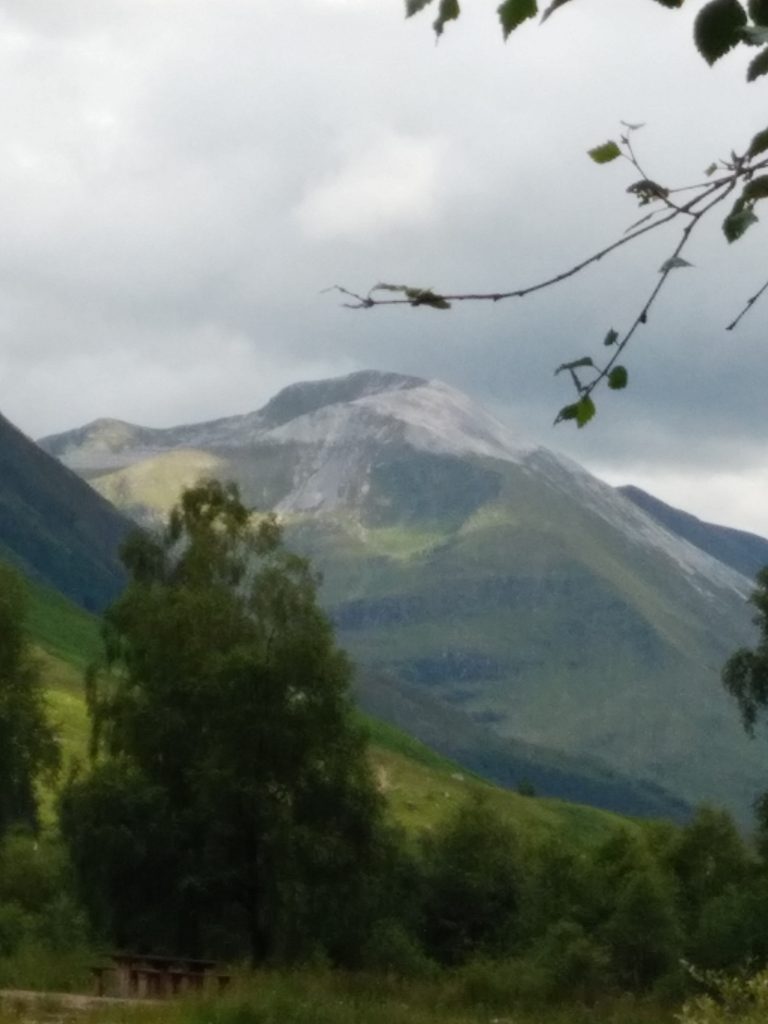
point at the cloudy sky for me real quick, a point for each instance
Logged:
(180, 180)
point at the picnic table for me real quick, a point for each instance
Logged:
(148, 976)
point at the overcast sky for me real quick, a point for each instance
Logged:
(181, 179)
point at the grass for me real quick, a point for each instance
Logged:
(325, 997)
(420, 796)
(60, 628)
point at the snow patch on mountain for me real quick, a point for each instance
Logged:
(439, 419)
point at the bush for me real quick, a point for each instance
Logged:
(392, 949)
(15, 925)
(731, 1000)
(500, 985)
(578, 967)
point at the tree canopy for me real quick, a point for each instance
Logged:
(230, 796)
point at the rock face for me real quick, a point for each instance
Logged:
(481, 571)
(54, 527)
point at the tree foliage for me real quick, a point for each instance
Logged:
(472, 885)
(230, 793)
(28, 744)
(745, 674)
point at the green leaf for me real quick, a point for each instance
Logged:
(552, 8)
(716, 29)
(711, 170)
(568, 412)
(673, 263)
(581, 411)
(584, 361)
(416, 296)
(758, 11)
(426, 297)
(756, 189)
(605, 153)
(414, 6)
(585, 410)
(738, 221)
(449, 11)
(617, 378)
(759, 144)
(670, 3)
(758, 65)
(514, 12)
(611, 337)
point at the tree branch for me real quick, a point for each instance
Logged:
(749, 304)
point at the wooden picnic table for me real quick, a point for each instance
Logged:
(149, 976)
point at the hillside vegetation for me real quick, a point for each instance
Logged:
(481, 901)
(420, 786)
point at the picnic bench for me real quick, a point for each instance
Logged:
(139, 976)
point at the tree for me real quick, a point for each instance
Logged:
(720, 26)
(634, 916)
(745, 674)
(28, 745)
(230, 790)
(472, 885)
(708, 857)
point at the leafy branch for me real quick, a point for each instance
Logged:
(720, 27)
(585, 373)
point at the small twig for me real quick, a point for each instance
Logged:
(669, 266)
(361, 301)
(749, 304)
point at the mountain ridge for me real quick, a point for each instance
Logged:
(744, 551)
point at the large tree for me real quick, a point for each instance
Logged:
(230, 791)
(28, 745)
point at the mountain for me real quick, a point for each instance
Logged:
(509, 762)
(745, 552)
(54, 527)
(490, 574)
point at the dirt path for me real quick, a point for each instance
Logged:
(57, 1007)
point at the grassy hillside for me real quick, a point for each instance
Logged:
(54, 527)
(420, 785)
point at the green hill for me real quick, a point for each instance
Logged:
(420, 785)
(54, 527)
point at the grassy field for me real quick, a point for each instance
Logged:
(318, 997)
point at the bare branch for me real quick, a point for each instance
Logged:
(709, 195)
(749, 304)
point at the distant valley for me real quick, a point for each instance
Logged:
(488, 578)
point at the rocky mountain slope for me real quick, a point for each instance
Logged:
(491, 575)
(743, 551)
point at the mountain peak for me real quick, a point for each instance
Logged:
(309, 396)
